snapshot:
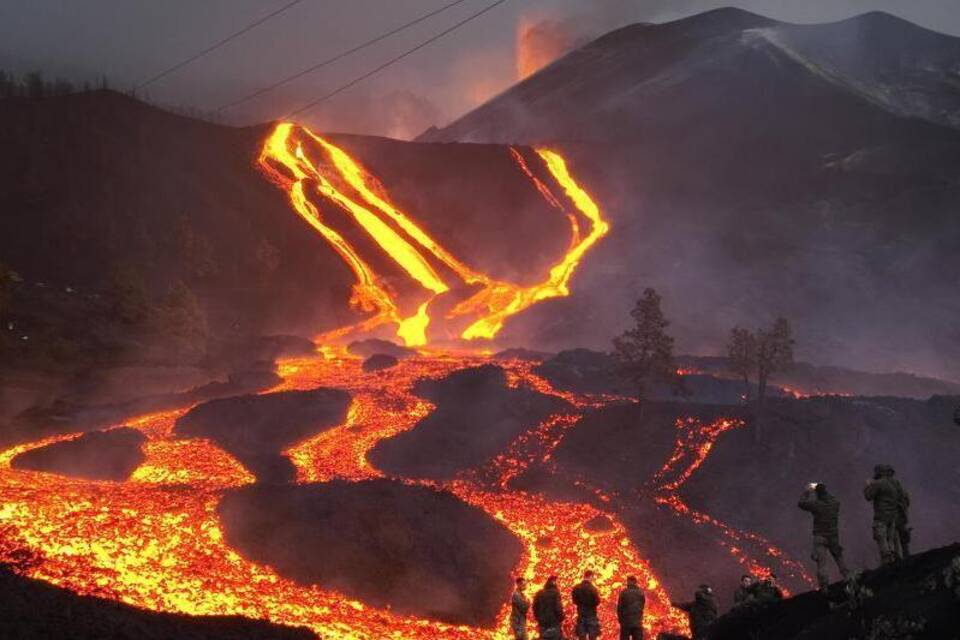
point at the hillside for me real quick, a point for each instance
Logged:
(136, 240)
(754, 168)
(914, 599)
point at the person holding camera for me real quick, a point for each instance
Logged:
(825, 510)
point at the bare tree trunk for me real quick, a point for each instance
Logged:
(758, 411)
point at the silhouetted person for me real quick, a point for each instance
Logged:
(904, 530)
(630, 607)
(548, 610)
(886, 495)
(702, 611)
(768, 591)
(519, 605)
(746, 593)
(587, 599)
(825, 510)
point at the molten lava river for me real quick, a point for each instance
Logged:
(155, 541)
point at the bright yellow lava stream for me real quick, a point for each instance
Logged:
(343, 181)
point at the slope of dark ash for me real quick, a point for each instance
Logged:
(755, 485)
(477, 415)
(416, 550)
(750, 168)
(31, 610)
(379, 361)
(908, 600)
(99, 455)
(374, 346)
(257, 428)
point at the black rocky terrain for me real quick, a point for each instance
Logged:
(413, 549)
(374, 346)
(379, 362)
(257, 428)
(35, 610)
(477, 415)
(98, 455)
(913, 599)
(754, 475)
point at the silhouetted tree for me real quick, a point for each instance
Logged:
(774, 353)
(742, 351)
(645, 352)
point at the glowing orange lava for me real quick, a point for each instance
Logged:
(694, 443)
(155, 540)
(305, 164)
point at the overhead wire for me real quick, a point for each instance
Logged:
(394, 60)
(338, 56)
(217, 45)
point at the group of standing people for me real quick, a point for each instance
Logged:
(891, 521)
(891, 531)
(548, 610)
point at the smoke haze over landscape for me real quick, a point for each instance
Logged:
(129, 42)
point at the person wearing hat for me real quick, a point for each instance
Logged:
(825, 509)
(887, 497)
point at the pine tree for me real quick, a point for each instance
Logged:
(645, 352)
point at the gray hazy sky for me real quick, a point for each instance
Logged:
(130, 40)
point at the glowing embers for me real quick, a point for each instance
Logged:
(155, 541)
(308, 166)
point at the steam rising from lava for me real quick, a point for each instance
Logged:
(305, 164)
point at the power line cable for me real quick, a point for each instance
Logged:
(217, 45)
(338, 56)
(394, 60)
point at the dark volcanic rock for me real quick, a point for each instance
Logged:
(621, 445)
(753, 486)
(416, 550)
(373, 346)
(519, 353)
(252, 352)
(31, 609)
(477, 416)
(257, 428)
(379, 361)
(913, 591)
(835, 441)
(99, 455)
(585, 371)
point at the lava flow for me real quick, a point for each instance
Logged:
(304, 164)
(694, 443)
(155, 540)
